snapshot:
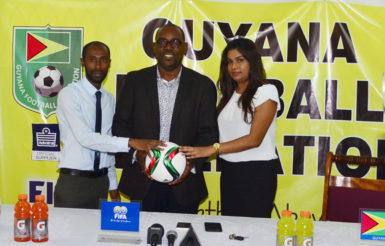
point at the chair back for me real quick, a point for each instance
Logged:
(345, 196)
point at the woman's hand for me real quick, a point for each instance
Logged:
(197, 152)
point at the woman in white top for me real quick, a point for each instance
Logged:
(247, 125)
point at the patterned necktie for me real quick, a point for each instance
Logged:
(98, 127)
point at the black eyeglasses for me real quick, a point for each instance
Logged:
(175, 43)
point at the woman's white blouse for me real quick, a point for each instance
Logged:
(232, 126)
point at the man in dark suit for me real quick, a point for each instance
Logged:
(172, 103)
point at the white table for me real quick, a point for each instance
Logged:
(80, 227)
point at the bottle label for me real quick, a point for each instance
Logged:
(304, 241)
(307, 241)
(285, 240)
(22, 228)
(289, 241)
(39, 229)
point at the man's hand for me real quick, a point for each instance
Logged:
(145, 144)
(184, 175)
(115, 196)
(141, 158)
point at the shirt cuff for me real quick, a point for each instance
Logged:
(113, 184)
(134, 157)
(123, 144)
(112, 178)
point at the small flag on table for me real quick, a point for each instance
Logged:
(373, 225)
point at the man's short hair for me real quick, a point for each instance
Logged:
(96, 43)
(169, 24)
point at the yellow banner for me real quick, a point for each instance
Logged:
(325, 57)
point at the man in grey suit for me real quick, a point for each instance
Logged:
(172, 103)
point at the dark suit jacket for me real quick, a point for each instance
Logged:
(193, 123)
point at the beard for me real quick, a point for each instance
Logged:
(169, 66)
(96, 76)
(169, 63)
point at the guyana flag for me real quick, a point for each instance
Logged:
(373, 225)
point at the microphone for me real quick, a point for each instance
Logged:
(155, 234)
(171, 236)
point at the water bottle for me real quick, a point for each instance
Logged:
(285, 229)
(39, 220)
(22, 220)
(304, 229)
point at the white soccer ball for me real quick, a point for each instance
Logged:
(48, 81)
(166, 165)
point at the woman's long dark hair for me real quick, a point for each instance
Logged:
(257, 75)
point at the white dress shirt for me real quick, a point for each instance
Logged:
(232, 126)
(76, 116)
(167, 91)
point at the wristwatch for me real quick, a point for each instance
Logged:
(217, 146)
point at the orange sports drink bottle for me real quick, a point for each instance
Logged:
(22, 222)
(39, 220)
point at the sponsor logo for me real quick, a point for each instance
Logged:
(45, 59)
(119, 216)
(120, 212)
(45, 138)
(46, 142)
(288, 241)
(21, 224)
(40, 226)
(307, 242)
